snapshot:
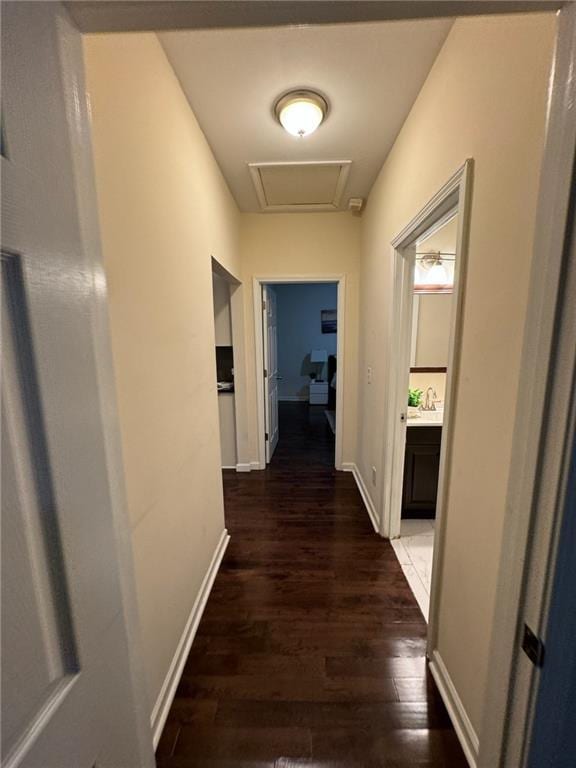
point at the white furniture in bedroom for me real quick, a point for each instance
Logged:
(318, 393)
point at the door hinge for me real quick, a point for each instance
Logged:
(263, 305)
(265, 373)
(265, 435)
(533, 646)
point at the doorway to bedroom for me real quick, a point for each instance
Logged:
(299, 333)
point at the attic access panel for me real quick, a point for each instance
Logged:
(312, 186)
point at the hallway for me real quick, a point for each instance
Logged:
(311, 650)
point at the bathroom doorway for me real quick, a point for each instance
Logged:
(429, 267)
(433, 286)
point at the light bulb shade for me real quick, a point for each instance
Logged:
(319, 356)
(301, 112)
(433, 275)
(437, 275)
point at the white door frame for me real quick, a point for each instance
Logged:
(257, 283)
(544, 420)
(236, 289)
(271, 368)
(455, 194)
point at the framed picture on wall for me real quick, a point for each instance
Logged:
(328, 321)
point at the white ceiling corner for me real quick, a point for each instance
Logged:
(371, 74)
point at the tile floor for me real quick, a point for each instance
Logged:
(414, 550)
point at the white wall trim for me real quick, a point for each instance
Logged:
(455, 194)
(292, 399)
(236, 302)
(229, 466)
(168, 690)
(368, 503)
(249, 466)
(460, 720)
(257, 282)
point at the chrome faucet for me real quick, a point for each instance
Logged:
(429, 404)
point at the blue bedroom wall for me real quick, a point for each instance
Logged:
(300, 331)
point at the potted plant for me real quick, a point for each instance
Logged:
(414, 401)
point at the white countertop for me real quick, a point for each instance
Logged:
(426, 419)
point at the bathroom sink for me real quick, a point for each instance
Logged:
(426, 418)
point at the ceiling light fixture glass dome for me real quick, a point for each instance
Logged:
(438, 274)
(301, 112)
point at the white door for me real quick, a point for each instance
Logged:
(269, 323)
(66, 696)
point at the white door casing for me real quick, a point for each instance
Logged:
(67, 695)
(270, 330)
(257, 283)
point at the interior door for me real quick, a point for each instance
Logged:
(66, 694)
(270, 328)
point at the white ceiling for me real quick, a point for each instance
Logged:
(370, 73)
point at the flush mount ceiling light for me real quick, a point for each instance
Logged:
(301, 112)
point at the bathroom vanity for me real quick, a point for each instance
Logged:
(421, 467)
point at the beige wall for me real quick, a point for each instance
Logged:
(300, 244)
(222, 313)
(164, 210)
(485, 98)
(227, 411)
(435, 380)
(433, 315)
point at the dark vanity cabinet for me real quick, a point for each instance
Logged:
(421, 466)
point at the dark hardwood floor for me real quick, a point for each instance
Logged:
(311, 651)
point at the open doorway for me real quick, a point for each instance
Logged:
(432, 295)
(299, 330)
(225, 370)
(429, 267)
(230, 374)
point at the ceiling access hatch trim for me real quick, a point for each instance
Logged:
(330, 202)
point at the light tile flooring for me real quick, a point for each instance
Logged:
(414, 551)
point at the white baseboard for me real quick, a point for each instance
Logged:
(460, 720)
(293, 399)
(249, 466)
(168, 690)
(229, 466)
(368, 503)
